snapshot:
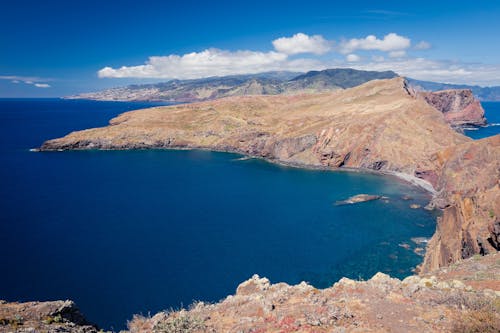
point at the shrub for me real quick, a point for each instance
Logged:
(181, 322)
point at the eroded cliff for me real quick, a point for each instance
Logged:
(459, 106)
(466, 178)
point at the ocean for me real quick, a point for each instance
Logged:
(492, 111)
(128, 232)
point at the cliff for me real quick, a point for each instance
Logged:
(461, 298)
(467, 179)
(380, 125)
(460, 107)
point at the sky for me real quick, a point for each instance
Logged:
(57, 48)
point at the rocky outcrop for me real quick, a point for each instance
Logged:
(467, 179)
(461, 298)
(358, 199)
(57, 316)
(444, 301)
(459, 106)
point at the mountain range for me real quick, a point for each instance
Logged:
(269, 83)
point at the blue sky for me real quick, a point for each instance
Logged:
(55, 48)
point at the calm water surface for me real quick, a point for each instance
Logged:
(492, 111)
(124, 232)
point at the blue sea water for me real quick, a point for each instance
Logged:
(492, 111)
(124, 232)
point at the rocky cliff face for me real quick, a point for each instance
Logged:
(467, 179)
(459, 106)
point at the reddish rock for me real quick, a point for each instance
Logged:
(459, 106)
(469, 194)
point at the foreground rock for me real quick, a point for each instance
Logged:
(459, 106)
(464, 297)
(460, 299)
(58, 316)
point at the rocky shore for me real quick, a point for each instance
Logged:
(464, 297)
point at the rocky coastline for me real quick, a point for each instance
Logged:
(382, 126)
(461, 298)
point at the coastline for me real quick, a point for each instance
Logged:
(407, 178)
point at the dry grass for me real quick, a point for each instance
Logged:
(480, 314)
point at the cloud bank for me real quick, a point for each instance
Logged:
(302, 52)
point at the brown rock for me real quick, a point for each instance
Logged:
(460, 107)
(57, 316)
(469, 192)
(434, 303)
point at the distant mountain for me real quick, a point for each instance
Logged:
(336, 78)
(270, 83)
(483, 93)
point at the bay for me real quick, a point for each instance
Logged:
(124, 232)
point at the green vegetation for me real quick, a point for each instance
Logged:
(180, 323)
(53, 319)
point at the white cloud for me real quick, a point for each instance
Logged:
(211, 62)
(439, 70)
(302, 43)
(423, 45)
(353, 57)
(392, 52)
(390, 42)
(42, 85)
